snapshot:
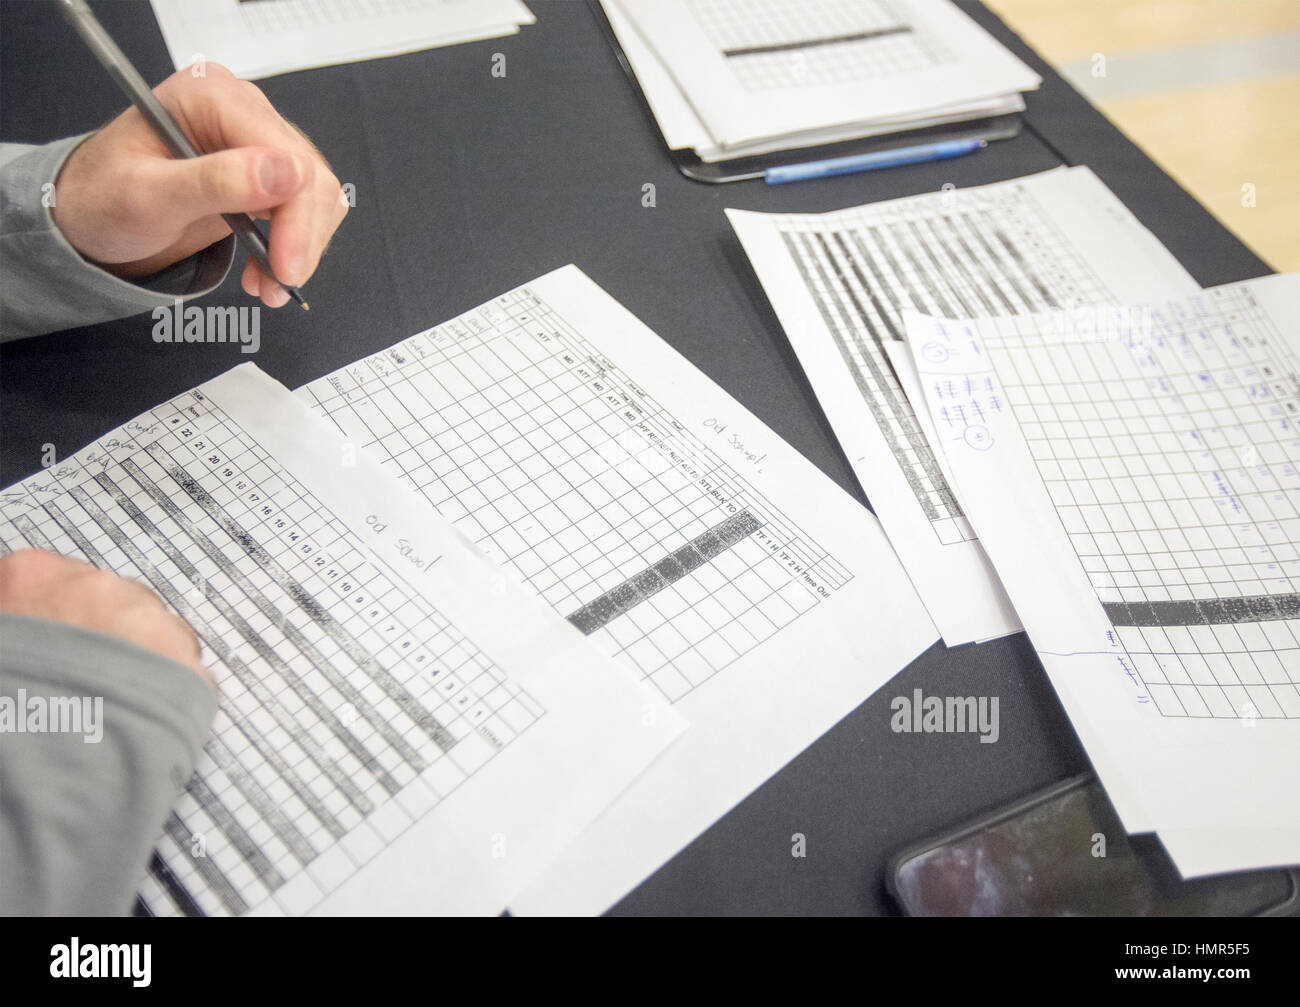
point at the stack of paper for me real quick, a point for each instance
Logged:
(840, 283)
(260, 38)
(735, 78)
(401, 729)
(664, 521)
(407, 726)
(1057, 428)
(1132, 473)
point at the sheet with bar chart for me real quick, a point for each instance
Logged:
(1134, 479)
(401, 728)
(736, 77)
(831, 41)
(662, 519)
(840, 282)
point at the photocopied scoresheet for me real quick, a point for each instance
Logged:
(402, 728)
(259, 38)
(1133, 476)
(840, 282)
(662, 519)
(732, 78)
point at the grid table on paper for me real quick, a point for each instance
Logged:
(336, 731)
(1170, 451)
(951, 254)
(779, 44)
(275, 16)
(562, 468)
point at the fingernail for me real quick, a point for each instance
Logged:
(278, 174)
(296, 274)
(279, 297)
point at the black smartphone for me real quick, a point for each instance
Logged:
(1063, 852)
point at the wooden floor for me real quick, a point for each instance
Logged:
(1210, 89)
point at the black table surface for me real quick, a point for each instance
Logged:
(468, 185)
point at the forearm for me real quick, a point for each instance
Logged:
(81, 809)
(47, 284)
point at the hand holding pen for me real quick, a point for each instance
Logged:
(131, 200)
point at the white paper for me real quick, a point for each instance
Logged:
(680, 126)
(1200, 852)
(900, 359)
(840, 282)
(402, 728)
(1133, 474)
(588, 457)
(683, 130)
(259, 38)
(755, 70)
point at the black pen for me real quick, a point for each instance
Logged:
(120, 69)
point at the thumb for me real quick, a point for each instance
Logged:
(240, 180)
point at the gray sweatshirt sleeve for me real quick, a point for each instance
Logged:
(46, 285)
(81, 810)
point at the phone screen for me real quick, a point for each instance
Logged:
(1068, 855)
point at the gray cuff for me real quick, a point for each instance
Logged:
(142, 681)
(48, 285)
(81, 808)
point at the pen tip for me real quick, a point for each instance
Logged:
(306, 306)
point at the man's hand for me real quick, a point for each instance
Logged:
(46, 586)
(126, 204)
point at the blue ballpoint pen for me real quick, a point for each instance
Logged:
(868, 162)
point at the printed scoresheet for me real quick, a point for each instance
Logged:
(1135, 479)
(401, 728)
(735, 77)
(258, 38)
(773, 43)
(840, 283)
(664, 521)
